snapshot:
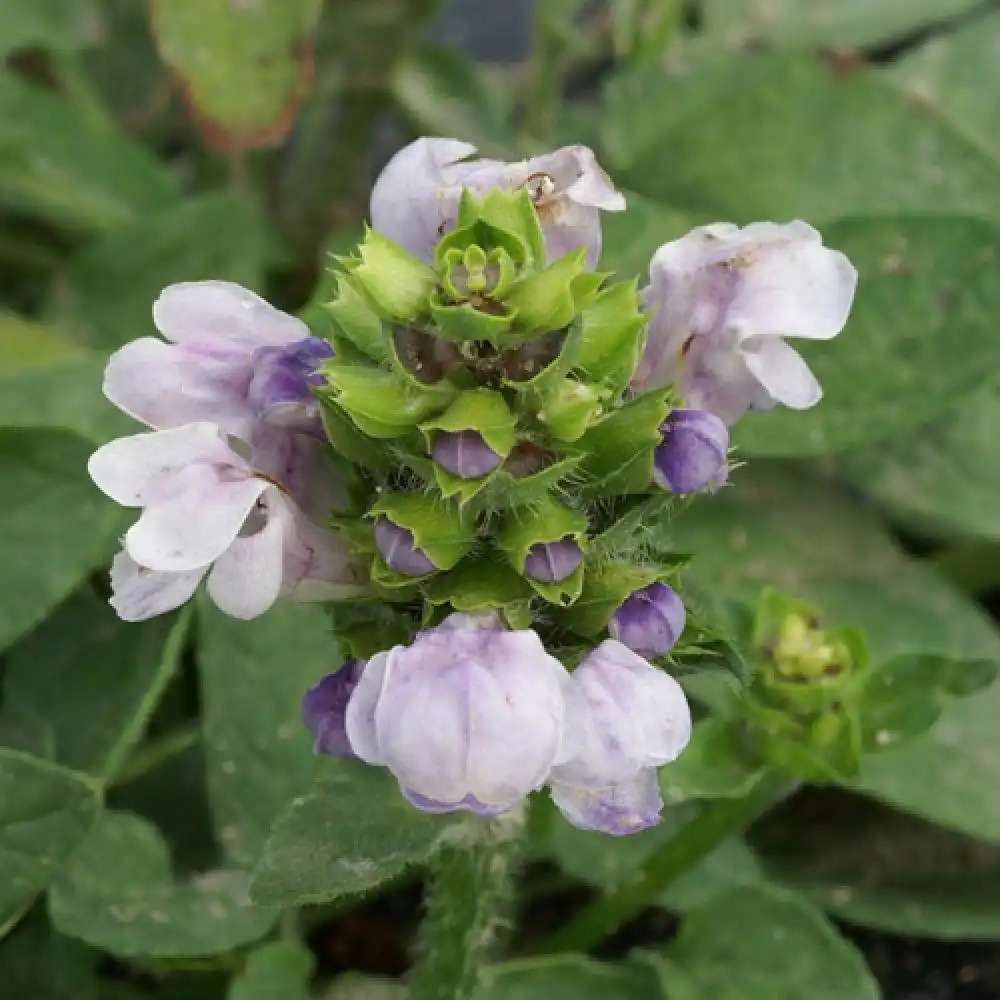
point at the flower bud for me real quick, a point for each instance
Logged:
(693, 452)
(397, 549)
(280, 389)
(550, 562)
(464, 454)
(649, 621)
(624, 718)
(324, 709)
(469, 716)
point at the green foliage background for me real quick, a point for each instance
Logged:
(142, 768)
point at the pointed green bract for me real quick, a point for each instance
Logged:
(396, 282)
(439, 528)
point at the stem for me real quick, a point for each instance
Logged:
(467, 907)
(719, 820)
(158, 751)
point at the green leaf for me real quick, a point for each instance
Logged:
(925, 285)
(725, 164)
(243, 68)
(65, 395)
(43, 484)
(253, 677)
(612, 338)
(752, 943)
(25, 343)
(60, 25)
(878, 868)
(45, 811)
(713, 766)
(352, 832)
(396, 282)
(71, 169)
(38, 963)
(833, 23)
(565, 977)
(117, 895)
(94, 679)
(943, 477)
(438, 527)
(106, 295)
(276, 971)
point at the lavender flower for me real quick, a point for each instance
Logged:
(693, 453)
(464, 454)
(468, 716)
(724, 297)
(397, 547)
(415, 199)
(624, 718)
(649, 621)
(551, 562)
(231, 358)
(207, 511)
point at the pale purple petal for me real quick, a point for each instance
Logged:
(359, 721)
(165, 385)
(469, 804)
(194, 527)
(324, 709)
(220, 315)
(137, 470)
(304, 467)
(247, 578)
(619, 810)
(782, 372)
(410, 203)
(280, 391)
(138, 593)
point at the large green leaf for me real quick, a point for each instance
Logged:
(105, 297)
(806, 537)
(878, 868)
(50, 24)
(920, 336)
(117, 894)
(756, 944)
(94, 679)
(738, 139)
(839, 23)
(36, 963)
(70, 168)
(56, 527)
(566, 977)
(45, 811)
(243, 68)
(350, 833)
(253, 677)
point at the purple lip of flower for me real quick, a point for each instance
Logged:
(550, 562)
(324, 709)
(464, 454)
(693, 452)
(283, 376)
(397, 548)
(649, 621)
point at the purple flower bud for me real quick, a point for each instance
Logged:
(324, 709)
(550, 562)
(468, 716)
(693, 452)
(397, 548)
(649, 621)
(624, 718)
(279, 390)
(464, 454)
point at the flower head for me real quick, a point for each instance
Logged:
(229, 358)
(624, 718)
(464, 454)
(551, 562)
(723, 297)
(693, 452)
(649, 621)
(207, 511)
(415, 199)
(468, 716)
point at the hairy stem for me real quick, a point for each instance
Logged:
(717, 821)
(468, 900)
